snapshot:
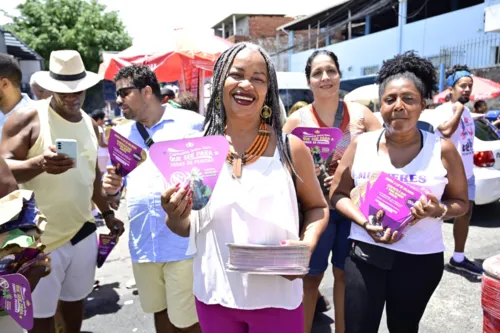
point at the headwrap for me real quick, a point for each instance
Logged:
(452, 79)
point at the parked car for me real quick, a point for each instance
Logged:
(486, 161)
(493, 115)
(486, 156)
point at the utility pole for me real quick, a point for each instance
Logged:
(403, 9)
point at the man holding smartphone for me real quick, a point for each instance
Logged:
(454, 121)
(162, 271)
(63, 191)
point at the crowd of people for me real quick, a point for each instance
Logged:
(271, 195)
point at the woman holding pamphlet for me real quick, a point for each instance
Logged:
(350, 119)
(407, 172)
(254, 204)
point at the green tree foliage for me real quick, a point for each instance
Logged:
(82, 25)
(85, 26)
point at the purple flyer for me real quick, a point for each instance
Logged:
(26, 256)
(124, 154)
(106, 245)
(198, 160)
(387, 201)
(15, 299)
(321, 141)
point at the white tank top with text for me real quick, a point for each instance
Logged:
(425, 170)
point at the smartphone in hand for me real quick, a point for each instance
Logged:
(68, 147)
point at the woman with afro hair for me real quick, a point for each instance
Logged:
(384, 269)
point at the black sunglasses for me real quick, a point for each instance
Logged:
(122, 92)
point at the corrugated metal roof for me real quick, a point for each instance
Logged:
(335, 3)
(17, 48)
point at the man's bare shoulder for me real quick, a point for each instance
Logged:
(23, 116)
(22, 122)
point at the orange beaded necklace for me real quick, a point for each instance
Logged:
(252, 154)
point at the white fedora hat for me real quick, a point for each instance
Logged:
(66, 73)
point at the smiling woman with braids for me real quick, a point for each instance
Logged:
(254, 202)
(402, 275)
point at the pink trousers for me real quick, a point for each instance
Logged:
(217, 319)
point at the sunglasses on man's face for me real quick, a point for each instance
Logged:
(123, 92)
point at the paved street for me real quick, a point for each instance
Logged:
(455, 306)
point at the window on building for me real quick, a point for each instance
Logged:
(496, 61)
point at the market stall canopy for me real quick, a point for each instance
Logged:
(174, 54)
(364, 95)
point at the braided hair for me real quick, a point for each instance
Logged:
(215, 119)
(412, 67)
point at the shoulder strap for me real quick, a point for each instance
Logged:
(148, 141)
(339, 116)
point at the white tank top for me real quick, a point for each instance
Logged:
(259, 208)
(425, 170)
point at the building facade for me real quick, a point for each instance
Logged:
(364, 33)
(260, 29)
(29, 61)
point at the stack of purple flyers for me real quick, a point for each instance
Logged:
(195, 160)
(124, 154)
(321, 141)
(387, 201)
(15, 299)
(269, 259)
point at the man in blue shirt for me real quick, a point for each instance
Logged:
(162, 271)
(11, 97)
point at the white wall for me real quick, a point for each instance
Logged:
(426, 37)
(242, 27)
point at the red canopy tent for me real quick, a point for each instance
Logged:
(482, 89)
(187, 56)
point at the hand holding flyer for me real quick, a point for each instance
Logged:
(321, 141)
(386, 201)
(198, 160)
(124, 154)
(106, 245)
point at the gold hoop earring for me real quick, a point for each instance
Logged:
(266, 112)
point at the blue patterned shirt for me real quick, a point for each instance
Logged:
(150, 239)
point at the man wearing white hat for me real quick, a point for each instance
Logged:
(64, 187)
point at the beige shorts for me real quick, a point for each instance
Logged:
(9, 325)
(167, 286)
